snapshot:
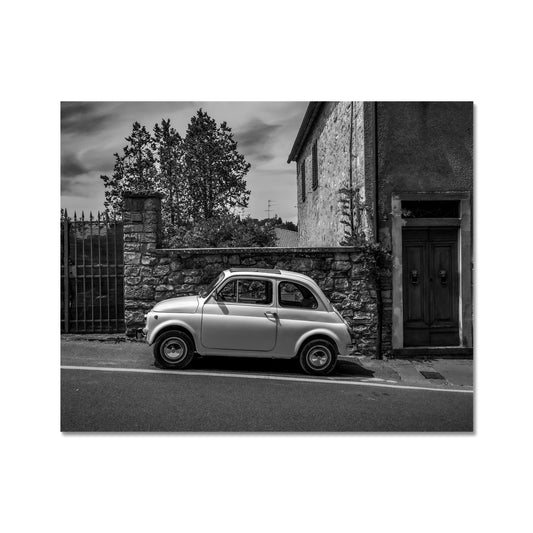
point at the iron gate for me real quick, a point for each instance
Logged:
(92, 274)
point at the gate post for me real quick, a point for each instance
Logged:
(142, 236)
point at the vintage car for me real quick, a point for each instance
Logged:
(251, 312)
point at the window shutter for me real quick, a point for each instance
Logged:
(302, 173)
(315, 166)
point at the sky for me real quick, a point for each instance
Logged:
(91, 132)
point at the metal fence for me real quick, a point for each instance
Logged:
(92, 274)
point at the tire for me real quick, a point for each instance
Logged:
(173, 350)
(318, 357)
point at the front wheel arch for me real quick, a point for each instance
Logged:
(175, 328)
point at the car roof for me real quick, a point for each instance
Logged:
(275, 272)
(280, 274)
(255, 270)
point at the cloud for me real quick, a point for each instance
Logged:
(255, 137)
(91, 132)
(264, 158)
(85, 117)
(71, 165)
(86, 185)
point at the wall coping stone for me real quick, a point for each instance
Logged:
(265, 249)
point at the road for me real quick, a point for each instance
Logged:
(106, 387)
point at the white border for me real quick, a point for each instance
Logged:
(244, 51)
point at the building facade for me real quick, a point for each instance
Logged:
(410, 167)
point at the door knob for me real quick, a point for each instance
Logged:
(413, 276)
(443, 276)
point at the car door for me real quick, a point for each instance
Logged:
(241, 316)
(299, 311)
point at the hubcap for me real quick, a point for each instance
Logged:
(318, 356)
(174, 349)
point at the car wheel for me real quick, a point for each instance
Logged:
(173, 349)
(318, 357)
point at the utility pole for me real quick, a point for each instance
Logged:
(269, 207)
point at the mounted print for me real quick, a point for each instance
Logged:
(267, 266)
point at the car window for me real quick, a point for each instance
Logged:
(247, 291)
(296, 295)
(227, 293)
(255, 291)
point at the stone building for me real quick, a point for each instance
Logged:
(411, 167)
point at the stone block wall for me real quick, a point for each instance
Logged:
(342, 145)
(152, 274)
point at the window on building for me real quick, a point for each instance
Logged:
(296, 295)
(302, 174)
(430, 209)
(315, 166)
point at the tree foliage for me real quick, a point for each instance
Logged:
(377, 256)
(214, 168)
(224, 231)
(134, 170)
(167, 145)
(200, 176)
(352, 210)
(353, 213)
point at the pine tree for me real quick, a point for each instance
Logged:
(167, 146)
(213, 167)
(133, 171)
(200, 177)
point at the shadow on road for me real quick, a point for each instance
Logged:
(272, 366)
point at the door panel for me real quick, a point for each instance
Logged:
(444, 305)
(430, 287)
(415, 277)
(233, 326)
(241, 318)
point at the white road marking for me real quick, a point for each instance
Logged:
(376, 380)
(260, 376)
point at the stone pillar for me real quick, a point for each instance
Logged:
(142, 236)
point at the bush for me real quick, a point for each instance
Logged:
(226, 231)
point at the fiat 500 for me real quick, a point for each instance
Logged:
(250, 313)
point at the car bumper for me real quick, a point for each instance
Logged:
(349, 349)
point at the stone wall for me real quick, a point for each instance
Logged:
(152, 274)
(421, 147)
(339, 131)
(319, 214)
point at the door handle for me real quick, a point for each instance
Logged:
(269, 314)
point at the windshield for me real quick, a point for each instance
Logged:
(203, 293)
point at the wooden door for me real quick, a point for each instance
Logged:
(430, 287)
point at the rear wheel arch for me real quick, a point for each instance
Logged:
(317, 336)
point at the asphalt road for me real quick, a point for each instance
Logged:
(265, 396)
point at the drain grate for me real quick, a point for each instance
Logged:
(431, 375)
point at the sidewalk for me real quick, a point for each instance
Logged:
(439, 372)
